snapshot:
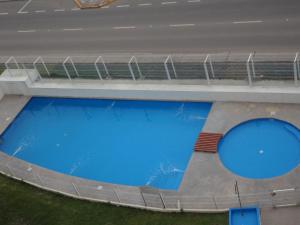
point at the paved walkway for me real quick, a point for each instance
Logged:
(280, 216)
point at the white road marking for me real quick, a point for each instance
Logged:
(166, 3)
(24, 12)
(182, 25)
(75, 9)
(130, 27)
(250, 21)
(24, 6)
(26, 31)
(193, 1)
(59, 10)
(4, 13)
(145, 4)
(105, 7)
(40, 11)
(122, 6)
(72, 29)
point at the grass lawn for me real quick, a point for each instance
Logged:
(22, 204)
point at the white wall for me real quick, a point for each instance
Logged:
(22, 85)
(169, 92)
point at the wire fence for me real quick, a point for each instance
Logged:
(141, 197)
(250, 68)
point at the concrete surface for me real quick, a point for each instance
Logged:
(206, 173)
(280, 216)
(10, 107)
(217, 26)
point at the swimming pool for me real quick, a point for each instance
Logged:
(261, 148)
(244, 216)
(123, 142)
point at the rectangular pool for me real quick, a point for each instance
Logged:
(244, 216)
(117, 141)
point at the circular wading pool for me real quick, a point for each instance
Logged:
(261, 148)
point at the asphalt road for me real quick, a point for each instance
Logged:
(180, 27)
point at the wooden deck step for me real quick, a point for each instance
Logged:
(207, 142)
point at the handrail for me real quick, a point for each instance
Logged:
(249, 70)
(97, 68)
(8, 61)
(66, 70)
(296, 68)
(130, 68)
(167, 69)
(44, 65)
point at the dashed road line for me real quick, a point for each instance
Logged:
(24, 6)
(2, 14)
(72, 29)
(122, 6)
(75, 9)
(105, 7)
(40, 11)
(59, 10)
(129, 27)
(182, 25)
(194, 1)
(145, 4)
(167, 3)
(26, 31)
(249, 21)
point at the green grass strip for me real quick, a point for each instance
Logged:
(23, 204)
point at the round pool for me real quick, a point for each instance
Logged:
(261, 148)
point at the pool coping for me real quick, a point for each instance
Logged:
(138, 197)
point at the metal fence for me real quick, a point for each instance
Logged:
(142, 197)
(249, 68)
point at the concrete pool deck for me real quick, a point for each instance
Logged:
(206, 185)
(205, 171)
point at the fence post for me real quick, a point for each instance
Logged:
(162, 200)
(215, 203)
(296, 69)
(130, 68)
(172, 63)
(75, 188)
(211, 67)
(179, 205)
(73, 65)
(24, 68)
(167, 69)
(65, 68)
(10, 171)
(8, 61)
(34, 65)
(117, 195)
(249, 70)
(206, 70)
(143, 198)
(40, 180)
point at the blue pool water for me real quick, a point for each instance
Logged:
(245, 216)
(261, 148)
(123, 142)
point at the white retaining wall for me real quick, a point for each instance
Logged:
(24, 84)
